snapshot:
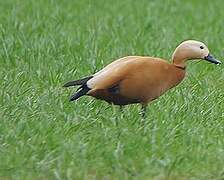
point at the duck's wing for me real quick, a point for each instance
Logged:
(116, 62)
(114, 73)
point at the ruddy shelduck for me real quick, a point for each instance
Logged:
(140, 79)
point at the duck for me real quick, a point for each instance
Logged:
(140, 79)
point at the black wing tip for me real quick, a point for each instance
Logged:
(83, 90)
(77, 82)
(71, 99)
(68, 84)
(65, 85)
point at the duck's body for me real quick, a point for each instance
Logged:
(138, 79)
(134, 79)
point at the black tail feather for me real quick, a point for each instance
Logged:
(77, 82)
(83, 90)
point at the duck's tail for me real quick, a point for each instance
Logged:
(77, 82)
(82, 90)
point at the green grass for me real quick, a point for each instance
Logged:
(43, 44)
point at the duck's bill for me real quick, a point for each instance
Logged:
(211, 59)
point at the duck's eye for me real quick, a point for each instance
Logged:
(201, 47)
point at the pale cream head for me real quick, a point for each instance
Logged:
(188, 50)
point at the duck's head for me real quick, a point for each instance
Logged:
(189, 50)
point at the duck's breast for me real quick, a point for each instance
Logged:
(150, 80)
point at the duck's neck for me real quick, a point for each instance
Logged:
(179, 62)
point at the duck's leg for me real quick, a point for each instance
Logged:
(121, 113)
(143, 111)
(121, 108)
(143, 117)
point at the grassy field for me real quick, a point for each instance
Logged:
(43, 44)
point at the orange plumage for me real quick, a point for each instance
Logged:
(138, 79)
